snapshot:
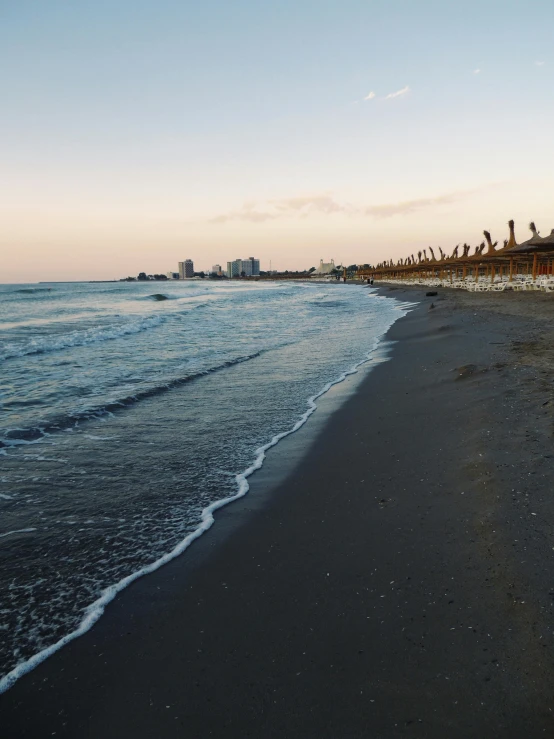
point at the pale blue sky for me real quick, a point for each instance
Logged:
(133, 133)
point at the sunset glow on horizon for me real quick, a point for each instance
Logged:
(138, 134)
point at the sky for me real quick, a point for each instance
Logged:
(138, 133)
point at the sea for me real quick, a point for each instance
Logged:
(131, 411)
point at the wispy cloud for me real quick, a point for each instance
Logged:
(398, 93)
(373, 95)
(476, 71)
(405, 207)
(300, 206)
(310, 204)
(326, 204)
(539, 64)
(253, 216)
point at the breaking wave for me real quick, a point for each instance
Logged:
(17, 437)
(78, 338)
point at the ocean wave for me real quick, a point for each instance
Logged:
(182, 300)
(329, 303)
(78, 338)
(27, 290)
(17, 437)
(95, 610)
(17, 531)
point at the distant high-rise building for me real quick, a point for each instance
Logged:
(233, 268)
(217, 269)
(245, 267)
(248, 267)
(186, 269)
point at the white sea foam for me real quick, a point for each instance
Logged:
(17, 531)
(95, 610)
(99, 438)
(21, 442)
(79, 337)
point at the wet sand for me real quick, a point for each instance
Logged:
(397, 583)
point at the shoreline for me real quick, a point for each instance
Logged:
(296, 609)
(96, 609)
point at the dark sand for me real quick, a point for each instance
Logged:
(398, 584)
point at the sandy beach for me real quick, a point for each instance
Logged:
(396, 581)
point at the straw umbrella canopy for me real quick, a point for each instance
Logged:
(535, 243)
(536, 246)
(510, 252)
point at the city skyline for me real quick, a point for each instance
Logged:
(210, 130)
